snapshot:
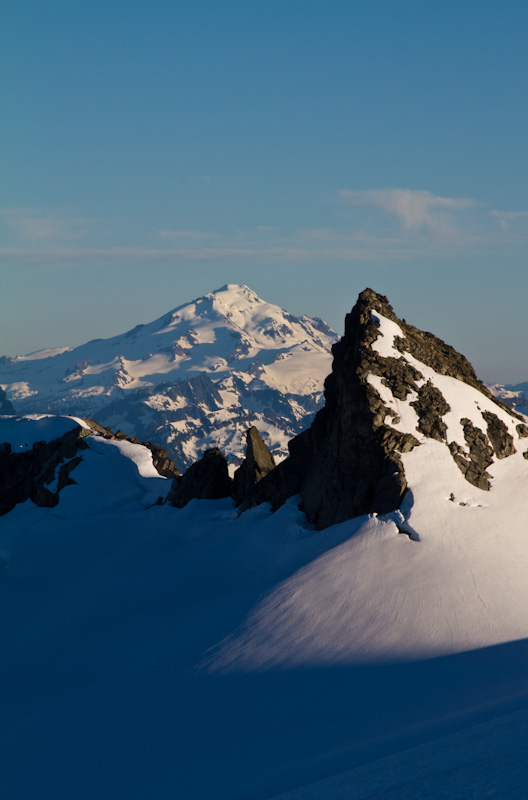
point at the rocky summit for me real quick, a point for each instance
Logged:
(392, 387)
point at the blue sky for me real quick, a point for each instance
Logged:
(154, 151)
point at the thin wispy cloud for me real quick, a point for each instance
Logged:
(509, 218)
(416, 209)
(33, 226)
(427, 224)
(168, 235)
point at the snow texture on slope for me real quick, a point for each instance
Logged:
(402, 602)
(200, 653)
(150, 651)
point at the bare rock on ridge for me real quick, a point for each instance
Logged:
(32, 474)
(6, 406)
(206, 479)
(348, 463)
(257, 464)
(162, 463)
(40, 473)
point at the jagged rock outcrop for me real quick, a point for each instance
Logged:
(480, 456)
(32, 474)
(163, 464)
(501, 440)
(40, 472)
(431, 406)
(206, 479)
(257, 464)
(6, 406)
(349, 462)
(522, 430)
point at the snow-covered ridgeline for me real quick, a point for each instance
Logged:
(464, 400)
(227, 360)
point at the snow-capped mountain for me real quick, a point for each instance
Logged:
(204, 653)
(513, 395)
(198, 376)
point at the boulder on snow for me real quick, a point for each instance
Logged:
(206, 479)
(6, 406)
(257, 464)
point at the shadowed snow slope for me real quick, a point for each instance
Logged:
(199, 376)
(200, 654)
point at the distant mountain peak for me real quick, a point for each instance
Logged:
(265, 366)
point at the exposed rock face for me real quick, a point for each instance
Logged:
(6, 406)
(501, 440)
(431, 407)
(206, 479)
(160, 459)
(31, 475)
(40, 473)
(480, 456)
(349, 462)
(522, 430)
(258, 463)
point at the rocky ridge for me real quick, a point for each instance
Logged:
(41, 471)
(349, 462)
(39, 474)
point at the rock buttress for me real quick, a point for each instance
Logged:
(257, 464)
(348, 463)
(206, 479)
(29, 475)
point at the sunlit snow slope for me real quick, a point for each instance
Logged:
(443, 574)
(199, 376)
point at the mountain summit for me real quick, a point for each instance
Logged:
(393, 389)
(197, 377)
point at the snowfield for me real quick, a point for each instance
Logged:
(196, 653)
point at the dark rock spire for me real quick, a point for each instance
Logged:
(258, 463)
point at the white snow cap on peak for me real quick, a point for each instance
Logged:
(234, 292)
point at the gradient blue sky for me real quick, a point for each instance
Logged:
(154, 151)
